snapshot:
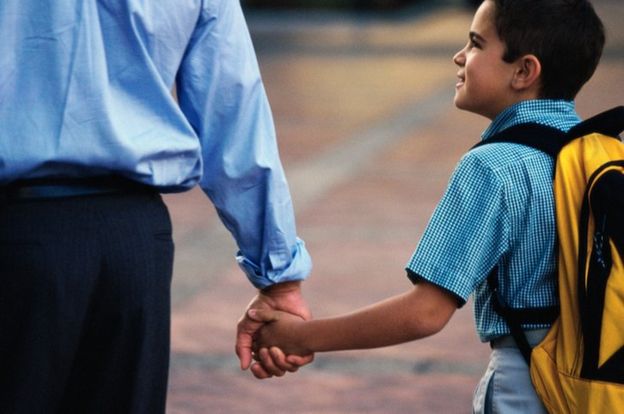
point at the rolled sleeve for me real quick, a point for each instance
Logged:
(221, 92)
(294, 269)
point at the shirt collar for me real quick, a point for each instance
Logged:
(554, 113)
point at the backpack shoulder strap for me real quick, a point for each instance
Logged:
(516, 317)
(541, 137)
(610, 123)
(550, 140)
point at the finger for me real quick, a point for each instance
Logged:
(300, 361)
(259, 372)
(279, 359)
(243, 350)
(244, 341)
(269, 365)
(263, 315)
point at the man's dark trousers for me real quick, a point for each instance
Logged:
(85, 304)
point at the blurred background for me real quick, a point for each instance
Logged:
(354, 5)
(361, 92)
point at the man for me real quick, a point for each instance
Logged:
(90, 134)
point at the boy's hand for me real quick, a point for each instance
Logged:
(279, 330)
(279, 335)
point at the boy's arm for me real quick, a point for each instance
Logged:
(421, 312)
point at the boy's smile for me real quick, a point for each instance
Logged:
(484, 85)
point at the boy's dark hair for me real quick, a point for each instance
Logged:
(565, 35)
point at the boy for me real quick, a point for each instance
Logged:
(522, 64)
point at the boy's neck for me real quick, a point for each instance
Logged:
(558, 113)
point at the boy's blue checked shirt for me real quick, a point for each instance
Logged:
(498, 210)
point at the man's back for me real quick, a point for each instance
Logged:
(87, 84)
(86, 90)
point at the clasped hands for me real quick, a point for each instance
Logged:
(275, 347)
(266, 333)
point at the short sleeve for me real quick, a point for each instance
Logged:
(467, 233)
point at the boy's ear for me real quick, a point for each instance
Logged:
(528, 71)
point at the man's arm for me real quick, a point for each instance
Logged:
(222, 96)
(221, 93)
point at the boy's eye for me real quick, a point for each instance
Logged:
(474, 44)
(473, 41)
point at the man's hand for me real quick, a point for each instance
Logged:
(285, 297)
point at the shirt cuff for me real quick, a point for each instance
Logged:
(298, 269)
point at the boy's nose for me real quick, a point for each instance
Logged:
(459, 59)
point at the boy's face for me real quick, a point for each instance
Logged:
(484, 85)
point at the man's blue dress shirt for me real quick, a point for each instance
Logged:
(498, 210)
(85, 89)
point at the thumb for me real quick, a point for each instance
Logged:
(263, 315)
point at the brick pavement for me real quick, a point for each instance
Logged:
(372, 101)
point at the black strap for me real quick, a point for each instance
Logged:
(541, 137)
(550, 140)
(609, 123)
(516, 317)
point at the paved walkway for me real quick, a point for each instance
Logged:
(369, 136)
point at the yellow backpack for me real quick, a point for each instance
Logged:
(579, 366)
